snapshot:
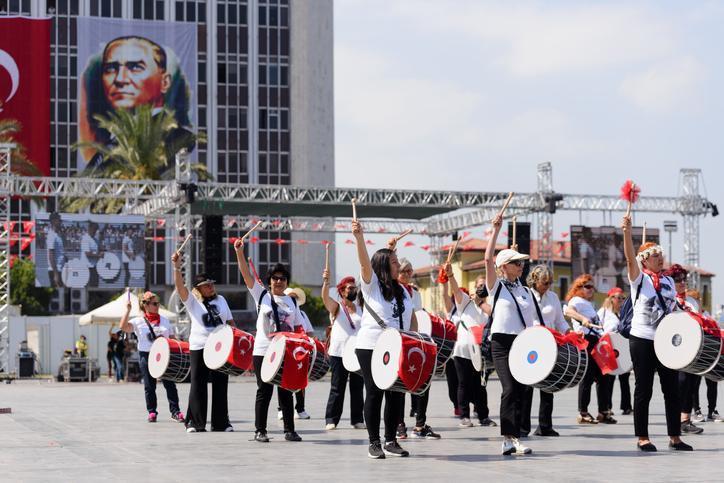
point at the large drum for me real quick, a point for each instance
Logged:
(688, 342)
(229, 350)
(75, 273)
(476, 348)
(349, 356)
(403, 361)
(318, 362)
(717, 372)
(108, 266)
(620, 346)
(443, 334)
(545, 360)
(169, 359)
(286, 362)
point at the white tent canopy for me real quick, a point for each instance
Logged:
(112, 312)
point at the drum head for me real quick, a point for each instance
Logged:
(158, 357)
(75, 274)
(532, 356)
(108, 266)
(476, 357)
(678, 340)
(623, 353)
(218, 346)
(273, 358)
(349, 356)
(386, 359)
(424, 324)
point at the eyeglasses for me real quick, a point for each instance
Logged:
(546, 282)
(151, 303)
(589, 287)
(619, 297)
(278, 278)
(517, 263)
(680, 279)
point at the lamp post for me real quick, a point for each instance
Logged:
(670, 226)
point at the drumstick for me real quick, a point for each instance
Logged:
(507, 202)
(403, 234)
(643, 235)
(250, 231)
(452, 251)
(188, 237)
(326, 257)
(514, 245)
(354, 209)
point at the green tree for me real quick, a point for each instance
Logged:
(20, 164)
(33, 300)
(143, 149)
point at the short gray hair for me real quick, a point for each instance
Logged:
(404, 262)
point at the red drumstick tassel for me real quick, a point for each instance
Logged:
(630, 192)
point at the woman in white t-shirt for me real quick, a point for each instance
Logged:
(345, 315)
(207, 310)
(585, 320)
(540, 280)
(276, 312)
(147, 328)
(654, 296)
(384, 299)
(470, 313)
(608, 315)
(513, 311)
(451, 375)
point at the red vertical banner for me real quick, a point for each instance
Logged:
(25, 84)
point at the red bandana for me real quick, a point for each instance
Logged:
(655, 277)
(155, 319)
(681, 299)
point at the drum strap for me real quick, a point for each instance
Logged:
(346, 313)
(152, 335)
(374, 315)
(274, 306)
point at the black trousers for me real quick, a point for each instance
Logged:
(419, 407)
(545, 410)
(711, 394)
(593, 373)
(299, 396)
(623, 382)
(470, 390)
(686, 391)
(335, 402)
(199, 395)
(513, 391)
(149, 388)
(264, 392)
(373, 402)
(645, 365)
(451, 375)
(92, 277)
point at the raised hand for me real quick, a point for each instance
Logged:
(357, 229)
(325, 276)
(239, 244)
(626, 222)
(497, 221)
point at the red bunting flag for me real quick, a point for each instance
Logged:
(232, 239)
(409, 244)
(425, 247)
(326, 242)
(25, 242)
(254, 239)
(370, 242)
(349, 242)
(381, 229)
(28, 226)
(161, 222)
(303, 242)
(280, 241)
(564, 234)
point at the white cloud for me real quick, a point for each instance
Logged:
(665, 86)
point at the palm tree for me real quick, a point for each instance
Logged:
(144, 147)
(20, 163)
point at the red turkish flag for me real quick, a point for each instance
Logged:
(604, 355)
(417, 362)
(25, 83)
(296, 362)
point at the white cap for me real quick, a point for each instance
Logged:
(508, 255)
(298, 293)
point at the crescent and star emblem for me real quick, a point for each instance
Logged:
(413, 350)
(9, 64)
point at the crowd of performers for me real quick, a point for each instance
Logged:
(487, 322)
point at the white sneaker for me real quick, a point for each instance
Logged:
(508, 446)
(359, 426)
(302, 415)
(229, 429)
(280, 415)
(465, 423)
(520, 448)
(698, 417)
(330, 427)
(191, 429)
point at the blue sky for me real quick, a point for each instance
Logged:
(472, 95)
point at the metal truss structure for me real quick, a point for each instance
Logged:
(454, 211)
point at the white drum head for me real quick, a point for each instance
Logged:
(477, 357)
(678, 340)
(349, 356)
(75, 273)
(158, 357)
(273, 358)
(623, 354)
(218, 346)
(108, 266)
(533, 355)
(386, 359)
(424, 324)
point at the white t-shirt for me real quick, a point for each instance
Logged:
(468, 315)
(586, 309)
(342, 329)
(609, 320)
(289, 315)
(55, 242)
(88, 244)
(197, 313)
(505, 315)
(306, 323)
(416, 297)
(550, 308)
(389, 312)
(140, 328)
(126, 247)
(647, 311)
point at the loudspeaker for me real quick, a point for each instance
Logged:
(213, 247)
(522, 235)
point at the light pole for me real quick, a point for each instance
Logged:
(670, 226)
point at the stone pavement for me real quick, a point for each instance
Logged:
(98, 432)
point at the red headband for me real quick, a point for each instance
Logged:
(343, 283)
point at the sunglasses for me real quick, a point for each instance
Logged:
(151, 303)
(517, 263)
(589, 287)
(619, 297)
(407, 270)
(546, 283)
(680, 279)
(277, 278)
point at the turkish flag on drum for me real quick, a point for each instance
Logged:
(25, 84)
(296, 366)
(604, 355)
(477, 331)
(417, 362)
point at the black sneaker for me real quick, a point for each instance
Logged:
(292, 436)
(412, 413)
(690, 428)
(401, 431)
(626, 412)
(375, 451)
(392, 448)
(546, 432)
(488, 422)
(425, 432)
(261, 437)
(680, 446)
